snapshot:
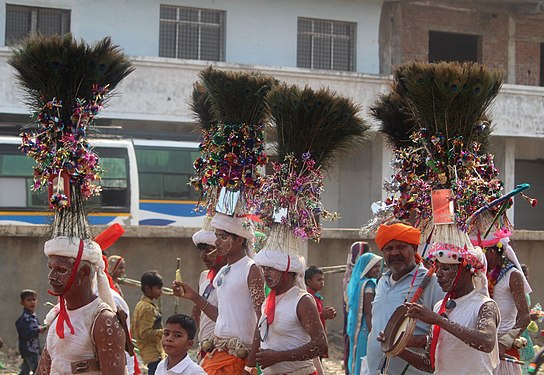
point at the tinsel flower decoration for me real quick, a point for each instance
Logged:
(435, 119)
(66, 83)
(313, 129)
(231, 110)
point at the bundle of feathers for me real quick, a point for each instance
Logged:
(66, 83)
(436, 120)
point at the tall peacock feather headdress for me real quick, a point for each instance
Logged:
(312, 130)
(232, 113)
(66, 83)
(436, 119)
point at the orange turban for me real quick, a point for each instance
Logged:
(399, 232)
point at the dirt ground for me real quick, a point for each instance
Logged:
(10, 359)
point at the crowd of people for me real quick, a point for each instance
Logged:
(466, 310)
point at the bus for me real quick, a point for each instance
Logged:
(145, 182)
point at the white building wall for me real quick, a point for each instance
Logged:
(260, 32)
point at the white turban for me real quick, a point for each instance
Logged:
(204, 236)
(236, 225)
(69, 247)
(278, 260)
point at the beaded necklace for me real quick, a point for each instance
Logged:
(497, 274)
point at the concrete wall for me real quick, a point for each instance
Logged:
(144, 248)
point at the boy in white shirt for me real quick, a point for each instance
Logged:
(178, 336)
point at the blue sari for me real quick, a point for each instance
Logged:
(357, 329)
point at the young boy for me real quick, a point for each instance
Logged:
(146, 321)
(178, 336)
(29, 328)
(315, 281)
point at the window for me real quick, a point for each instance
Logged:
(164, 173)
(525, 215)
(453, 47)
(192, 33)
(326, 44)
(22, 20)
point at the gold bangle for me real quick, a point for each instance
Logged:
(205, 305)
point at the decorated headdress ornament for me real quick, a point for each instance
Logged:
(435, 120)
(66, 85)
(312, 129)
(231, 110)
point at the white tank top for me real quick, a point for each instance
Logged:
(206, 326)
(75, 347)
(505, 300)
(236, 317)
(454, 357)
(286, 332)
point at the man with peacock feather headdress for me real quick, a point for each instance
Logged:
(436, 120)
(231, 110)
(313, 128)
(67, 83)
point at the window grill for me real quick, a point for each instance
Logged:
(192, 33)
(23, 20)
(326, 44)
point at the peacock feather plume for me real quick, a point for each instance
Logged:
(61, 67)
(320, 123)
(394, 117)
(237, 97)
(200, 105)
(232, 111)
(66, 83)
(313, 129)
(436, 118)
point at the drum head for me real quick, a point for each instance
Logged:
(397, 331)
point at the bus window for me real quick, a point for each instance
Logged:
(164, 172)
(115, 195)
(16, 180)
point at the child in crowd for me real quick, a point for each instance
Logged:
(315, 281)
(146, 321)
(178, 336)
(29, 328)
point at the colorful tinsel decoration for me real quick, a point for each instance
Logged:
(60, 146)
(431, 163)
(230, 157)
(295, 188)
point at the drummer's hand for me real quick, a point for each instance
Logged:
(421, 313)
(381, 336)
(184, 290)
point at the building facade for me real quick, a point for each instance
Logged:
(350, 46)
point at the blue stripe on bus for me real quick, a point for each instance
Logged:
(38, 219)
(46, 219)
(174, 209)
(157, 222)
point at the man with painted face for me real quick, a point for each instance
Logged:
(464, 333)
(204, 241)
(399, 243)
(508, 287)
(84, 335)
(240, 294)
(289, 334)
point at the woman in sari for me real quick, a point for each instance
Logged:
(360, 292)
